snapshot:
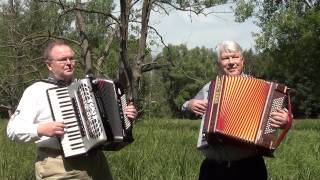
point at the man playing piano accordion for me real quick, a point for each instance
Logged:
(227, 161)
(32, 121)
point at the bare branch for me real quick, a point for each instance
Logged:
(101, 72)
(155, 30)
(152, 66)
(68, 9)
(161, 7)
(308, 3)
(190, 8)
(105, 52)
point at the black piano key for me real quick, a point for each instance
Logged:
(68, 114)
(63, 96)
(65, 105)
(63, 102)
(74, 138)
(67, 110)
(73, 134)
(69, 117)
(71, 126)
(74, 148)
(75, 144)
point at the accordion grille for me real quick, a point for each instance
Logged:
(90, 114)
(242, 103)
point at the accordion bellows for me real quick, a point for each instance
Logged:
(239, 110)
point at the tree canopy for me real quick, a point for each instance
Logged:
(289, 48)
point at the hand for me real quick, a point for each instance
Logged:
(197, 106)
(279, 118)
(51, 129)
(130, 111)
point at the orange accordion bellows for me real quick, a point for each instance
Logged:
(239, 110)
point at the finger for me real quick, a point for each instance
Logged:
(130, 116)
(274, 121)
(278, 114)
(59, 133)
(276, 124)
(130, 110)
(199, 112)
(58, 129)
(59, 124)
(201, 107)
(280, 110)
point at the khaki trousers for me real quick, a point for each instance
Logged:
(52, 165)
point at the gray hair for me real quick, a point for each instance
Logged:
(228, 46)
(50, 45)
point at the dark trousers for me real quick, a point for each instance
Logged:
(250, 168)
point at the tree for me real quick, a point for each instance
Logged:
(20, 62)
(100, 36)
(289, 49)
(188, 72)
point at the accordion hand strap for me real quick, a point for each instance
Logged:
(287, 127)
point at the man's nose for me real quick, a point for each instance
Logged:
(68, 60)
(230, 59)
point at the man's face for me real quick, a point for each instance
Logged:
(231, 63)
(62, 62)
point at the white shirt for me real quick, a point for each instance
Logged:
(33, 109)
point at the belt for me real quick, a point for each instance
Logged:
(232, 163)
(50, 151)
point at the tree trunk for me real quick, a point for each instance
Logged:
(81, 27)
(125, 73)
(139, 61)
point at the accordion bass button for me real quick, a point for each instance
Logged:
(94, 81)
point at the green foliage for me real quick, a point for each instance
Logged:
(20, 51)
(166, 149)
(25, 26)
(289, 49)
(184, 76)
(244, 9)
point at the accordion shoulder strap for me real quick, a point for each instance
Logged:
(51, 80)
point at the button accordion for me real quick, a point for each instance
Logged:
(92, 111)
(239, 110)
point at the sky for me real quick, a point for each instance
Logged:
(181, 28)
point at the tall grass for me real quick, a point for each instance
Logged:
(165, 149)
(298, 156)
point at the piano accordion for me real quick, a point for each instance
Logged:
(92, 111)
(239, 110)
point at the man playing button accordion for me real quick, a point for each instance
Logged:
(32, 121)
(227, 160)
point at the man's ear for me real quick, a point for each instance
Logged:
(243, 61)
(49, 66)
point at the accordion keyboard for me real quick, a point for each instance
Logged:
(72, 141)
(92, 112)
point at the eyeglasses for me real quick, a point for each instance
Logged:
(64, 60)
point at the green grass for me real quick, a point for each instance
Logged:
(299, 154)
(166, 149)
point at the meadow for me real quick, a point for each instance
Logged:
(165, 149)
